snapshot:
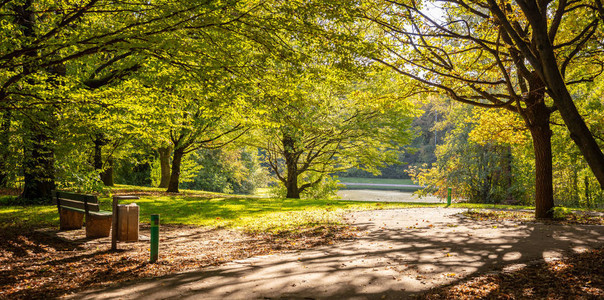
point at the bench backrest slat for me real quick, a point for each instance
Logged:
(79, 201)
(78, 204)
(78, 197)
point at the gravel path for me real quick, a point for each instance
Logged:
(405, 252)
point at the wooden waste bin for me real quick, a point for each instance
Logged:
(128, 216)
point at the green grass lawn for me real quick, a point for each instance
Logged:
(216, 210)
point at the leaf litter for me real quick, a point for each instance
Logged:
(42, 264)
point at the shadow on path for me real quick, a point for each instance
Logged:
(405, 252)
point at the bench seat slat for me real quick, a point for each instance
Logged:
(101, 213)
(96, 213)
(73, 209)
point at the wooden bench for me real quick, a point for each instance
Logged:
(72, 209)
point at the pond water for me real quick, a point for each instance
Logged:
(385, 196)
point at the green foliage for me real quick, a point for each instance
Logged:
(477, 172)
(561, 213)
(134, 171)
(326, 120)
(252, 214)
(326, 188)
(227, 170)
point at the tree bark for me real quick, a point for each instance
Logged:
(506, 171)
(175, 176)
(38, 163)
(107, 174)
(537, 116)
(291, 162)
(551, 75)
(579, 132)
(544, 193)
(4, 150)
(164, 163)
(38, 154)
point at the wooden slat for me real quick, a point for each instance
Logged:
(102, 213)
(67, 203)
(74, 196)
(73, 209)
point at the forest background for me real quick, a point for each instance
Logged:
(233, 96)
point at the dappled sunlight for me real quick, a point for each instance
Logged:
(402, 253)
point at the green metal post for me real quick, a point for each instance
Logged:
(448, 196)
(154, 238)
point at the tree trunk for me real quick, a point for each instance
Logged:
(291, 162)
(107, 174)
(544, 193)
(506, 172)
(292, 187)
(164, 162)
(581, 135)
(175, 176)
(38, 154)
(538, 115)
(97, 156)
(38, 163)
(4, 149)
(558, 90)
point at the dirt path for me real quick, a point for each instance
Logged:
(404, 252)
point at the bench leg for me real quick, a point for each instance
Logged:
(70, 219)
(98, 226)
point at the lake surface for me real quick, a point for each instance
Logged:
(386, 196)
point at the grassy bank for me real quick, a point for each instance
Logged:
(219, 210)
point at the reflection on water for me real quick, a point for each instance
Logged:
(385, 196)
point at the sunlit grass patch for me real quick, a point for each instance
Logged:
(28, 216)
(288, 221)
(220, 210)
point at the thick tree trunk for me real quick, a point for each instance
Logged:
(4, 149)
(292, 187)
(38, 154)
(291, 162)
(554, 79)
(175, 176)
(164, 163)
(544, 193)
(538, 115)
(107, 174)
(38, 164)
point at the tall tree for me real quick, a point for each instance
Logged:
(42, 36)
(323, 121)
(497, 55)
